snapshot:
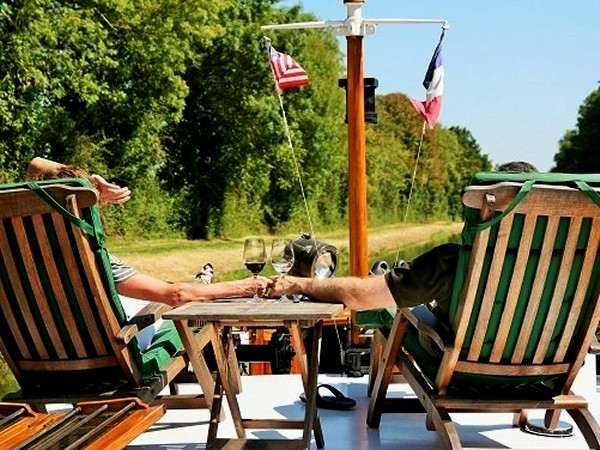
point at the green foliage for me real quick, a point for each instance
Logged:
(230, 151)
(578, 149)
(176, 100)
(152, 212)
(96, 82)
(8, 383)
(447, 160)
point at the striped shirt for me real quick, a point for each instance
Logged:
(121, 271)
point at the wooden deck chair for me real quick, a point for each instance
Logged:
(89, 425)
(524, 310)
(63, 332)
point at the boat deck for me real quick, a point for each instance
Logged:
(267, 396)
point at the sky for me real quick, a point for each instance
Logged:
(516, 71)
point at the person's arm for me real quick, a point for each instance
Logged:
(109, 192)
(353, 292)
(40, 165)
(145, 287)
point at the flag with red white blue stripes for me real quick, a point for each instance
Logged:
(287, 72)
(430, 109)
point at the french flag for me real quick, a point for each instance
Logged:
(429, 110)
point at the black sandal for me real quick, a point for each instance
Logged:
(338, 401)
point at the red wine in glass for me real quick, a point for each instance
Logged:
(255, 267)
(255, 259)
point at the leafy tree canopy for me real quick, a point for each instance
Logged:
(578, 149)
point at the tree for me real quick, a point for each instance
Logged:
(95, 82)
(579, 148)
(229, 154)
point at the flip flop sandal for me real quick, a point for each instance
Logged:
(337, 401)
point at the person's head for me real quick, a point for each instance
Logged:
(54, 171)
(517, 166)
(63, 171)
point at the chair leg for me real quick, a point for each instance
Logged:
(588, 425)
(520, 418)
(384, 374)
(551, 418)
(377, 346)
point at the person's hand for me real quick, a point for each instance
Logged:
(280, 286)
(110, 192)
(261, 284)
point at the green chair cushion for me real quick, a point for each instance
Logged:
(165, 345)
(482, 386)
(375, 318)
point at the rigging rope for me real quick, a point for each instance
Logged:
(412, 185)
(414, 174)
(291, 145)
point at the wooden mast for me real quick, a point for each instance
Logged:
(357, 156)
(357, 165)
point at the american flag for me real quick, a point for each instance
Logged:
(287, 72)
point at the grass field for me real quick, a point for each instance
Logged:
(180, 259)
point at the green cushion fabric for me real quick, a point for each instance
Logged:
(375, 318)
(166, 344)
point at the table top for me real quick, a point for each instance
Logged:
(243, 311)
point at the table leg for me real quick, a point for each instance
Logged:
(194, 344)
(309, 370)
(224, 377)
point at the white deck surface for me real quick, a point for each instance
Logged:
(277, 396)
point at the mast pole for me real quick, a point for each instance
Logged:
(357, 165)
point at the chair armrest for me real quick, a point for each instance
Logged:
(427, 322)
(145, 317)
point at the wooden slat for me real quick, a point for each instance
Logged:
(533, 304)
(514, 290)
(473, 404)
(57, 287)
(17, 435)
(69, 364)
(510, 370)
(77, 284)
(582, 288)
(278, 424)
(489, 295)
(22, 202)
(5, 304)
(103, 303)
(560, 288)
(541, 200)
(15, 279)
(49, 322)
(465, 309)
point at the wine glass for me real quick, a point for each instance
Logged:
(282, 259)
(255, 258)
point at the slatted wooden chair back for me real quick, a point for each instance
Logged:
(59, 314)
(528, 299)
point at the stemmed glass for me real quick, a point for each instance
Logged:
(282, 259)
(255, 258)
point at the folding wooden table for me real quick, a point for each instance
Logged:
(219, 317)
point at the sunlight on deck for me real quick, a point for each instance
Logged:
(269, 396)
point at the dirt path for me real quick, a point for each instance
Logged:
(184, 262)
